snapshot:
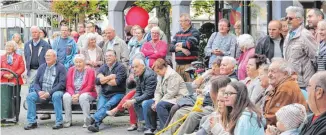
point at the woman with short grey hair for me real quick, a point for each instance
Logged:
(321, 58)
(94, 56)
(80, 88)
(247, 46)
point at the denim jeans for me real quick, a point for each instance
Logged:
(147, 113)
(104, 104)
(33, 97)
(163, 110)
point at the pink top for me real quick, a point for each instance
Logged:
(88, 84)
(154, 51)
(243, 61)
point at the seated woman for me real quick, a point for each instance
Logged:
(80, 87)
(241, 116)
(252, 81)
(247, 47)
(93, 54)
(170, 87)
(155, 48)
(13, 61)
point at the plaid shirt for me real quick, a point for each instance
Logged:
(48, 78)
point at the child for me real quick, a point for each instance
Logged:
(289, 118)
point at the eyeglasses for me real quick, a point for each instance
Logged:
(227, 94)
(289, 18)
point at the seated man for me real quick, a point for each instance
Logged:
(49, 84)
(189, 125)
(315, 124)
(146, 81)
(112, 78)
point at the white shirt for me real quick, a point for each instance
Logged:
(92, 54)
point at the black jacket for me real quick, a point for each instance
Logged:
(121, 75)
(316, 128)
(265, 46)
(146, 85)
(190, 40)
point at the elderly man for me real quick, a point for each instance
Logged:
(189, 125)
(74, 35)
(49, 84)
(314, 16)
(153, 22)
(146, 85)
(299, 46)
(65, 47)
(271, 45)
(34, 51)
(90, 28)
(285, 90)
(112, 78)
(117, 44)
(316, 123)
(185, 45)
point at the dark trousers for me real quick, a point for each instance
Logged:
(163, 110)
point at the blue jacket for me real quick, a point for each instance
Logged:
(247, 124)
(121, 76)
(44, 46)
(70, 53)
(59, 82)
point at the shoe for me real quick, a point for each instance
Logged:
(57, 126)
(89, 121)
(94, 127)
(85, 126)
(149, 132)
(132, 127)
(30, 126)
(45, 117)
(67, 124)
(110, 113)
(141, 127)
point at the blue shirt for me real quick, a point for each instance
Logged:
(48, 78)
(35, 43)
(62, 49)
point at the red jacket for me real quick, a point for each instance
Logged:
(153, 53)
(18, 67)
(88, 84)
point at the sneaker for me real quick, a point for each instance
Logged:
(132, 127)
(94, 127)
(149, 132)
(57, 126)
(89, 121)
(141, 127)
(30, 126)
(67, 124)
(85, 126)
(45, 117)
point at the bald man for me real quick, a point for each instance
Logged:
(272, 45)
(117, 44)
(316, 123)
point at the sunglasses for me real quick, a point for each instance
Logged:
(289, 18)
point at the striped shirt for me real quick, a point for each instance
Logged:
(48, 78)
(321, 58)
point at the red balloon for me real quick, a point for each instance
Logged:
(137, 16)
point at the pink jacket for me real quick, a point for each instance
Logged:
(88, 84)
(154, 51)
(243, 61)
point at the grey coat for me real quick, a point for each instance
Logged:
(121, 49)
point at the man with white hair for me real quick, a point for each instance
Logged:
(314, 16)
(285, 90)
(34, 52)
(90, 28)
(66, 47)
(316, 122)
(49, 84)
(117, 44)
(185, 45)
(152, 22)
(300, 47)
(146, 85)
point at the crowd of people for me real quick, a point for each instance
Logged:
(272, 86)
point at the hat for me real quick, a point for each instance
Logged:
(291, 116)
(153, 20)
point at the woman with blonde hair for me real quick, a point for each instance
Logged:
(20, 45)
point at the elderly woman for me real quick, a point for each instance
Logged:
(93, 54)
(20, 45)
(155, 48)
(170, 87)
(80, 87)
(11, 60)
(247, 47)
(321, 59)
(253, 82)
(221, 43)
(136, 43)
